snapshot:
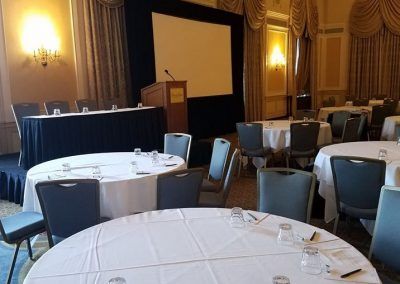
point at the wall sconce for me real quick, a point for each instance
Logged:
(278, 60)
(39, 39)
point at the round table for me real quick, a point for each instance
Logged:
(322, 167)
(121, 192)
(389, 128)
(194, 245)
(324, 112)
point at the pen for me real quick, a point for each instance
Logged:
(252, 216)
(313, 235)
(350, 273)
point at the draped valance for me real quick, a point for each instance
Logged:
(111, 3)
(304, 16)
(367, 17)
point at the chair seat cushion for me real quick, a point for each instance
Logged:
(57, 239)
(208, 186)
(300, 154)
(261, 152)
(20, 225)
(369, 214)
(211, 199)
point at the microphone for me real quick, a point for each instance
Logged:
(166, 72)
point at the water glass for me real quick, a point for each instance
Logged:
(139, 105)
(280, 279)
(154, 157)
(57, 111)
(133, 167)
(382, 154)
(270, 123)
(305, 119)
(114, 107)
(237, 220)
(290, 119)
(398, 141)
(66, 168)
(85, 110)
(285, 236)
(117, 280)
(137, 151)
(96, 173)
(310, 261)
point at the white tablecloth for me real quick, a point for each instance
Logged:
(193, 246)
(389, 128)
(325, 111)
(121, 192)
(322, 167)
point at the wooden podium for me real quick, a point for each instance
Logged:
(171, 95)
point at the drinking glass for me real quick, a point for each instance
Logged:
(310, 261)
(280, 279)
(237, 220)
(137, 151)
(398, 141)
(290, 119)
(305, 119)
(139, 105)
(154, 157)
(96, 172)
(285, 236)
(117, 280)
(85, 110)
(133, 167)
(114, 107)
(57, 111)
(66, 168)
(270, 123)
(382, 154)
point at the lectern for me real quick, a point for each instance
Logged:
(171, 95)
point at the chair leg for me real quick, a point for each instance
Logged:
(336, 224)
(240, 166)
(10, 272)
(28, 243)
(287, 161)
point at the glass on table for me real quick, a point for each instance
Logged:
(96, 172)
(382, 155)
(137, 151)
(133, 167)
(270, 123)
(285, 235)
(66, 168)
(114, 107)
(117, 280)
(85, 110)
(398, 141)
(311, 261)
(305, 119)
(237, 220)
(139, 105)
(154, 157)
(280, 279)
(290, 119)
(57, 111)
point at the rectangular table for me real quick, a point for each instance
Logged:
(45, 138)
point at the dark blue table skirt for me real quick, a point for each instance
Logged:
(44, 139)
(12, 178)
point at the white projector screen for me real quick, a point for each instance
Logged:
(193, 51)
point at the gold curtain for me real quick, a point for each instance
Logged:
(255, 12)
(375, 48)
(106, 49)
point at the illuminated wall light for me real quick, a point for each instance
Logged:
(40, 39)
(277, 58)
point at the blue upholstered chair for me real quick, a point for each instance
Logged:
(251, 141)
(179, 189)
(286, 192)
(24, 109)
(361, 102)
(90, 104)
(339, 119)
(357, 182)
(108, 103)
(397, 131)
(63, 106)
(393, 104)
(350, 131)
(302, 113)
(216, 172)
(178, 144)
(218, 199)
(68, 206)
(362, 125)
(303, 140)
(20, 227)
(378, 115)
(385, 245)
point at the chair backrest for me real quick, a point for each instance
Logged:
(361, 102)
(68, 206)
(179, 189)
(397, 131)
(63, 106)
(338, 120)
(250, 135)
(90, 104)
(226, 187)
(286, 192)
(108, 103)
(178, 144)
(330, 102)
(302, 113)
(350, 131)
(357, 182)
(379, 113)
(24, 109)
(363, 123)
(393, 104)
(304, 136)
(385, 242)
(350, 98)
(218, 159)
(380, 97)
